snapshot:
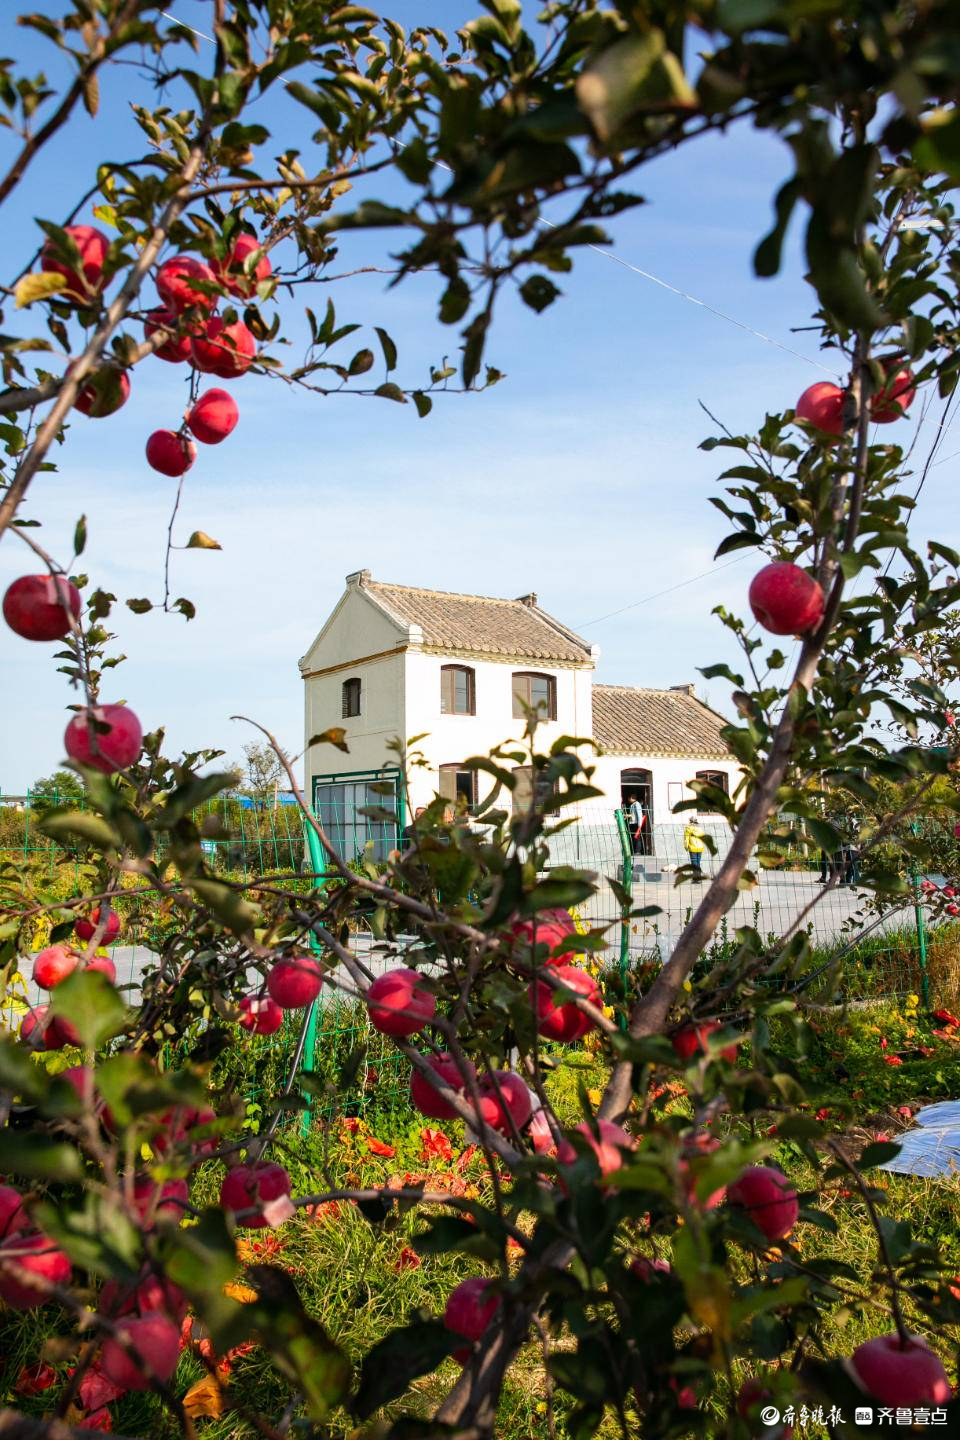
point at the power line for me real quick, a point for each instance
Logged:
(659, 593)
(693, 300)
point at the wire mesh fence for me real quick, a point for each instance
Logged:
(876, 956)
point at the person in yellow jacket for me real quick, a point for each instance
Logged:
(693, 844)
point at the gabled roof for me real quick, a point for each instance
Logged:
(628, 720)
(479, 624)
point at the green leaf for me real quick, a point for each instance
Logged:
(423, 403)
(332, 736)
(81, 824)
(38, 287)
(226, 904)
(629, 74)
(390, 391)
(301, 1348)
(475, 337)
(538, 292)
(938, 149)
(397, 1360)
(139, 607)
(740, 541)
(200, 1258)
(388, 348)
(877, 1154)
(38, 1157)
(92, 1005)
(80, 536)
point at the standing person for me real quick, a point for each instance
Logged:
(637, 820)
(693, 844)
(851, 868)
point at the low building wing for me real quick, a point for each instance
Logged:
(629, 720)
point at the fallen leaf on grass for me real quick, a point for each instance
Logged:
(206, 1397)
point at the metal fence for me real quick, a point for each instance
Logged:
(881, 956)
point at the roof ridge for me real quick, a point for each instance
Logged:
(646, 690)
(447, 594)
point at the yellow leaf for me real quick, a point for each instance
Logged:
(38, 287)
(204, 1398)
(199, 540)
(241, 1293)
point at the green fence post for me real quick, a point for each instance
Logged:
(921, 925)
(626, 850)
(318, 865)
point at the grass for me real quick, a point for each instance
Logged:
(353, 1277)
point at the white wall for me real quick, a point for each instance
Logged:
(451, 739)
(356, 629)
(670, 776)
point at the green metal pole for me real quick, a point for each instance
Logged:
(921, 925)
(626, 850)
(318, 865)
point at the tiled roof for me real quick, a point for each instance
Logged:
(633, 721)
(479, 624)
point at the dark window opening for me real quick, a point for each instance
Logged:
(536, 692)
(458, 785)
(719, 778)
(457, 690)
(351, 698)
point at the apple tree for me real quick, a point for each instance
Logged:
(637, 1244)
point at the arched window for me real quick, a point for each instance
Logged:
(458, 694)
(718, 778)
(351, 697)
(536, 692)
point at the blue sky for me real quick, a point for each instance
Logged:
(578, 477)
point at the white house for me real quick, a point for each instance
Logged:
(397, 661)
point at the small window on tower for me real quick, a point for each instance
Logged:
(351, 697)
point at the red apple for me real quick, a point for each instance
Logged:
(103, 392)
(647, 1270)
(608, 1150)
(213, 417)
(35, 1028)
(786, 600)
(295, 981)
(898, 1374)
(151, 1199)
(107, 737)
(426, 1098)
(29, 1264)
(768, 1198)
(896, 397)
(692, 1039)
(104, 965)
(231, 272)
(87, 928)
(752, 1397)
(13, 1217)
(224, 350)
(175, 1125)
(76, 1076)
(152, 1292)
(155, 1342)
(247, 1186)
(512, 1103)
(177, 348)
(170, 453)
(87, 282)
(40, 607)
(470, 1309)
(549, 933)
(261, 1015)
(822, 405)
(179, 282)
(695, 1146)
(558, 1019)
(53, 965)
(400, 991)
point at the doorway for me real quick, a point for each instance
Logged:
(638, 785)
